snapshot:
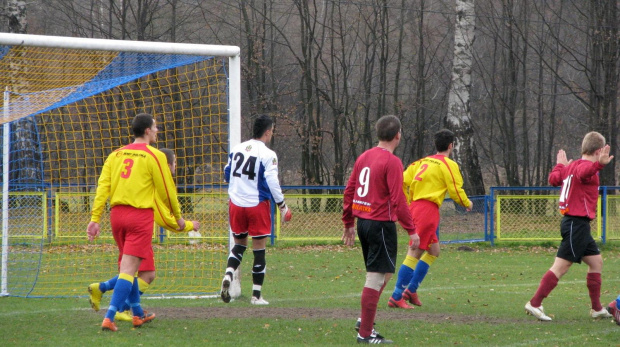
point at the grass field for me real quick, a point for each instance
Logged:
(471, 298)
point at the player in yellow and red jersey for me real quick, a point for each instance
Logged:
(146, 273)
(131, 177)
(425, 183)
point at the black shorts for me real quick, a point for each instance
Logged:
(577, 241)
(379, 245)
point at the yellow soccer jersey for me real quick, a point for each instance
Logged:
(133, 175)
(431, 177)
(165, 219)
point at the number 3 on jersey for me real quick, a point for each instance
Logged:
(126, 172)
(247, 167)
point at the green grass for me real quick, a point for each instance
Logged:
(470, 299)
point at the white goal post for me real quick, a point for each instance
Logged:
(74, 43)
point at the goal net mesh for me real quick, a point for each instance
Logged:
(67, 110)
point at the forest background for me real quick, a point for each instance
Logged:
(515, 80)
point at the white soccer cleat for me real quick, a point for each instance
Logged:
(600, 314)
(537, 312)
(258, 301)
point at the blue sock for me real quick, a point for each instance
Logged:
(618, 303)
(405, 273)
(418, 275)
(108, 285)
(134, 299)
(125, 306)
(121, 292)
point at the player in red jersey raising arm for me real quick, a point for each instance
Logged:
(374, 195)
(578, 197)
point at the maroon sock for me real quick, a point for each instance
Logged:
(547, 283)
(370, 299)
(593, 281)
(382, 287)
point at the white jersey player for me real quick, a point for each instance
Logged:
(252, 176)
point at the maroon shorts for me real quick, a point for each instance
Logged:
(426, 220)
(256, 220)
(133, 232)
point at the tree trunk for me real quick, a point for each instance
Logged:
(458, 118)
(603, 75)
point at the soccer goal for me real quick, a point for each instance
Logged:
(68, 102)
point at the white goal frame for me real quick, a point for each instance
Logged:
(234, 101)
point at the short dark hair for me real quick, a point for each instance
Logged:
(140, 123)
(387, 127)
(443, 139)
(169, 155)
(262, 123)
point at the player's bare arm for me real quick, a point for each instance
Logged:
(181, 223)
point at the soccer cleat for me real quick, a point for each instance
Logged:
(124, 316)
(225, 294)
(258, 301)
(412, 297)
(94, 296)
(372, 339)
(138, 321)
(612, 308)
(537, 312)
(374, 332)
(108, 325)
(399, 304)
(600, 314)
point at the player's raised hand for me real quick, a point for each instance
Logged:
(92, 231)
(603, 157)
(561, 158)
(348, 236)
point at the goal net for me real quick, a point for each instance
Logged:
(69, 102)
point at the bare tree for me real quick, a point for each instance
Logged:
(458, 117)
(603, 76)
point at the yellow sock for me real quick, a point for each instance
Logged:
(410, 261)
(429, 259)
(142, 285)
(126, 277)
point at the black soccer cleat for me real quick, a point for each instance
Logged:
(225, 294)
(373, 340)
